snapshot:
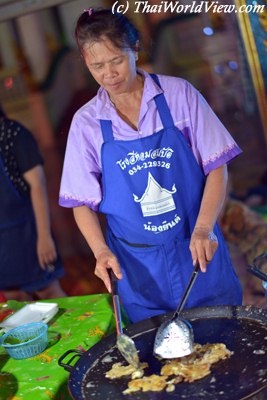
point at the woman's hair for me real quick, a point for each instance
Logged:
(93, 25)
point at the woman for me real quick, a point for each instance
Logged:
(29, 264)
(148, 152)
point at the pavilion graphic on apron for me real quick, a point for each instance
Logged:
(156, 200)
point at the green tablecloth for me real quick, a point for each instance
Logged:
(80, 323)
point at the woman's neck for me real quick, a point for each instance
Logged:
(128, 104)
(122, 100)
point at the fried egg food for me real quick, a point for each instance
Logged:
(185, 369)
(118, 370)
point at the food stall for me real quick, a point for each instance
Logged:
(82, 340)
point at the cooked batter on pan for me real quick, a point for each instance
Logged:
(188, 369)
(118, 370)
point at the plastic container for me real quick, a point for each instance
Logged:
(34, 312)
(26, 340)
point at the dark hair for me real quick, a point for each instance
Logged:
(92, 25)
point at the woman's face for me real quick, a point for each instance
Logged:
(113, 68)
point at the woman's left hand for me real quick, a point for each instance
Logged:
(46, 251)
(203, 246)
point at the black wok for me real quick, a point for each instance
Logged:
(242, 376)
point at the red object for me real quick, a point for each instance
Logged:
(2, 298)
(4, 313)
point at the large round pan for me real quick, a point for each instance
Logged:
(242, 376)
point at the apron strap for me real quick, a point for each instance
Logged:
(106, 127)
(162, 106)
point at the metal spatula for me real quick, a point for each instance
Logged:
(175, 338)
(125, 344)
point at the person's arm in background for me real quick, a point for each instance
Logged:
(89, 225)
(46, 250)
(203, 244)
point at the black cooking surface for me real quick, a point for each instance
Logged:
(241, 376)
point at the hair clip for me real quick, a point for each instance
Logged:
(89, 10)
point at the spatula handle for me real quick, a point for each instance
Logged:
(113, 282)
(116, 300)
(187, 290)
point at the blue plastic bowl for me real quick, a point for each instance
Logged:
(26, 340)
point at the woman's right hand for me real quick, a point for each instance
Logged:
(105, 259)
(88, 223)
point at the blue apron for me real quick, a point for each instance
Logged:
(152, 190)
(19, 265)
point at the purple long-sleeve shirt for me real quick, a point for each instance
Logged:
(211, 143)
